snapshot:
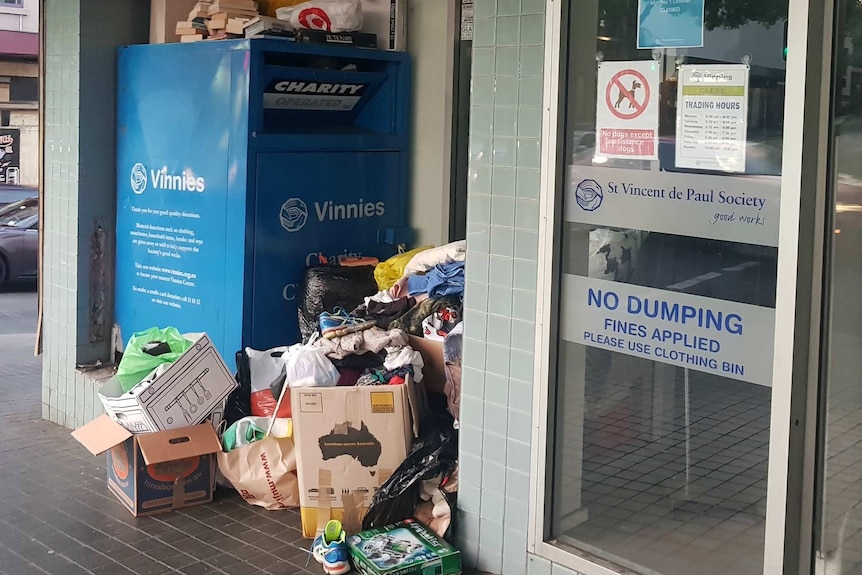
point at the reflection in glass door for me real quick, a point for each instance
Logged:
(674, 124)
(839, 537)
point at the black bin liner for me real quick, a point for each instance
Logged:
(239, 401)
(325, 288)
(434, 453)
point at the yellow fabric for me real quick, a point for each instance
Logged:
(268, 7)
(389, 272)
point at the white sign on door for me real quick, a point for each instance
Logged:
(712, 117)
(741, 209)
(704, 334)
(627, 110)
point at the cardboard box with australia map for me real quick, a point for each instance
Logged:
(348, 440)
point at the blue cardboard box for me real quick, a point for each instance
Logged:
(157, 472)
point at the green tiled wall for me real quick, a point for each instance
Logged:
(60, 396)
(502, 245)
(81, 37)
(500, 316)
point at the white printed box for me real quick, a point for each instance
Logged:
(189, 390)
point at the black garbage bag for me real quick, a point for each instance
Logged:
(327, 287)
(239, 401)
(434, 454)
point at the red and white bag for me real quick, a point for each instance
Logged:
(330, 15)
(268, 370)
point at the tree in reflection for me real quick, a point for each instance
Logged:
(725, 14)
(853, 30)
(730, 14)
(848, 55)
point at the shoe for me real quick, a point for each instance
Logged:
(340, 323)
(330, 549)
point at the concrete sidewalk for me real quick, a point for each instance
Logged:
(57, 517)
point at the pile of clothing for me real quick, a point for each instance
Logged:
(420, 293)
(363, 354)
(366, 354)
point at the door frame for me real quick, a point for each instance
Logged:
(790, 485)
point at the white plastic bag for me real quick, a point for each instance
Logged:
(309, 367)
(330, 15)
(267, 369)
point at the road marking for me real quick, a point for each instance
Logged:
(711, 276)
(742, 267)
(694, 281)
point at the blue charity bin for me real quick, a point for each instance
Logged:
(238, 163)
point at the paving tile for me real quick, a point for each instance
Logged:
(57, 517)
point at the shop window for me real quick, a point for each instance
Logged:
(24, 89)
(661, 397)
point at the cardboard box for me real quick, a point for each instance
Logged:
(158, 472)
(164, 15)
(348, 440)
(184, 395)
(405, 548)
(434, 371)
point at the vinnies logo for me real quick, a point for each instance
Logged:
(139, 178)
(589, 195)
(294, 212)
(294, 215)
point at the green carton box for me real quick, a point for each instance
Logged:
(405, 548)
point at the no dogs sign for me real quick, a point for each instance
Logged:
(627, 110)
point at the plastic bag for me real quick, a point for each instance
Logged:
(328, 287)
(250, 429)
(264, 470)
(238, 404)
(137, 363)
(268, 369)
(309, 367)
(389, 272)
(330, 15)
(434, 454)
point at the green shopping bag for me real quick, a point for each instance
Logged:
(138, 364)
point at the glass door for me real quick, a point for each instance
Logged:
(839, 536)
(660, 390)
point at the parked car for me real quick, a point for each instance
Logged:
(12, 194)
(19, 240)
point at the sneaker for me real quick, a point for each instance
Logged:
(330, 549)
(341, 323)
